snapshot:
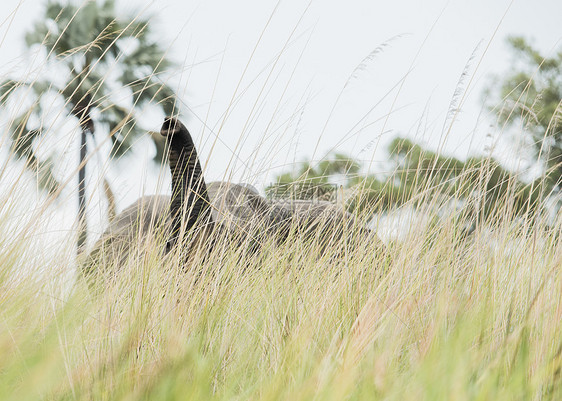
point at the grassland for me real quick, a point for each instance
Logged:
(438, 315)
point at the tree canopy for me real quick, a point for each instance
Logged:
(97, 52)
(479, 186)
(531, 95)
(97, 55)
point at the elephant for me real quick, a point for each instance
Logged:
(234, 211)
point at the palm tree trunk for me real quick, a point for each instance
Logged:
(82, 224)
(81, 110)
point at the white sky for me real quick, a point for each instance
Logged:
(339, 36)
(268, 128)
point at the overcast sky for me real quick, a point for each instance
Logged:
(297, 87)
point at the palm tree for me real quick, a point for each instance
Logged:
(89, 44)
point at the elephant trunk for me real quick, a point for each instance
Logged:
(190, 204)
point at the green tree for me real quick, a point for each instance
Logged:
(89, 44)
(421, 176)
(532, 95)
(481, 186)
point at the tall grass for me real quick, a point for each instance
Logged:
(437, 315)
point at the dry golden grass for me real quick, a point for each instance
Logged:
(439, 315)
(434, 315)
